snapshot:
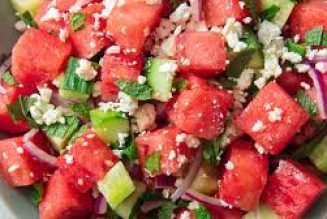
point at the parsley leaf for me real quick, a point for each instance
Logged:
(77, 21)
(131, 151)
(212, 152)
(136, 90)
(180, 84)
(62, 130)
(252, 6)
(202, 213)
(269, 13)
(28, 20)
(314, 36)
(9, 79)
(36, 193)
(294, 47)
(307, 103)
(152, 162)
(238, 64)
(81, 109)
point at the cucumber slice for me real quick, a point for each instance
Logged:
(257, 60)
(108, 124)
(125, 209)
(160, 74)
(117, 185)
(281, 17)
(27, 5)
(263, 212)
(319, 155)
(72, 87)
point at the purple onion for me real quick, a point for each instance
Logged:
(196, 6)
(39, 154)
(100, 206)
(320, 89)
(207, 200)
(164, 182)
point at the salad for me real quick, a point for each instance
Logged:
(199, 109)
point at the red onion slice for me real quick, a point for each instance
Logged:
(320, 89)
(207, 200)
(187, 182)
(196, 6)
(29, 135)
(164, 182)
(151, 205)
(100, 206)
(39, 154)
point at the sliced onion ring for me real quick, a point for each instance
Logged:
(164, 182)
(100, 206)
(39, 154)
(207, 200)
(196, 6)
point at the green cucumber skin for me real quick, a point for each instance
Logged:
(27, 5)
(286, 7)
(319, 155)
(263, 212)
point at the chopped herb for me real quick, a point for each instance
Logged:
(81, 109)
(238, 64)
(28, 20)
(166, 210)
(136, 90)
(250, 38)
(152, 162)
(314, 36)
(130, 150)
(269, 13)
(307, 103)
(294, 47)
(202, 213)
(19, 110)
(77, 134)
(36, 193)
(77, 21)
(212, 152)
(180, 84)
(324, 40)
(62, 130)
(9, 79)
(252, 6)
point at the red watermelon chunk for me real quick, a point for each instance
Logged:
(88, 41)
(130, 24)
(38, 57)
(217, 12)
(60, 201)
(201, 53)
(292, 189)
(122, 66)
(65, 5)
(272, 118)
(244, 176)
(291, 81)
(92, 154)
(201, 111)
(173, 155)
(17, 166)
(308, 15)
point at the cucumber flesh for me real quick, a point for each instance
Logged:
(160, 74)
(319, 155)
(285, 6)
(109, 124)
(257, 60)
(73, 96)
(263, 212)
(117, 185)
(27, 5)
(125, 209)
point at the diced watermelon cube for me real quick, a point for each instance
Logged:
(225, 213)
(272, 118)
(291, 189)
(244, 177)
(60, 201)
(217, 12)
(130, 24)
(201, 111)
(291, 81)
(308, 15)
(173, 155)
(203, 54)
(122, 66)
(88, 41)
(17, 166)
(65, 5)
(38, 57)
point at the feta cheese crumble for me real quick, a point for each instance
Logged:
(229, 165)
(275, 115)
(124, 104)
(52, 14)
(233, 32)
(145, 117)
(85, 70)
(258, 126)
(190, 140)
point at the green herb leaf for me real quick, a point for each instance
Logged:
(136, 90)
(28, 20)
(19, 110)
(166, 210)
(77, 134)
(252, 7)
(180, 84)
(251, 39)
(62, 130)
(202, 213)
(307, 103)
(270, 13)
(314, 36)
(324, 40)
(152, 162)
(81, 109)
(131, 151)
(9, 79)
(212, 152)
(294, 47)
(36, 193)
(77, 21)
(238, 64)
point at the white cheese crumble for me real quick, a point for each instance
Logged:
(258, 126)
(193, 205)
(52, 14)
(172, 155)
(229, 165)
(85, 70)
(63, 34)
(122, 139)
(20, 150)
(20, 26)
(232, 32)
(275, 115)
(190, 140)
(145, 117)
(13, 168)
(69, 159)
(267, 32)
(259, 148)
(245, 80)
(291, 56)
(181, 14)
(113, 50)
(168, 67)
(305, 86)
(321, 66)
(125, 104)
(141, 79)
(302, 68)
(185, 215)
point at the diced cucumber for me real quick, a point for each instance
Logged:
(59, 134)
(109, 124)
(257, 60)
(263, 212)
(160, 74)
(125, 209)
(285, 6)
(319, 155)
(27, 5)
(206, 180)
(251, 39)
(117, 185)
(72, 87)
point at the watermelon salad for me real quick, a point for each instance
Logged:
(199, 109)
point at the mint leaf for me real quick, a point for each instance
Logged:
(238, 64)
(314, 36)
(77, 21)
(180, 84)
(81, 109)
(136, 90)
(9, 79)
(28, 20)
(307, 103)
(294, 47)
(131, 151)
(62, 130)
(212, 152)
(202, 213)
(269, 13)
(166, 210)
(152, 162)
(36, 193)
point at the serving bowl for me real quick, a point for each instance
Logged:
(14, 203)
